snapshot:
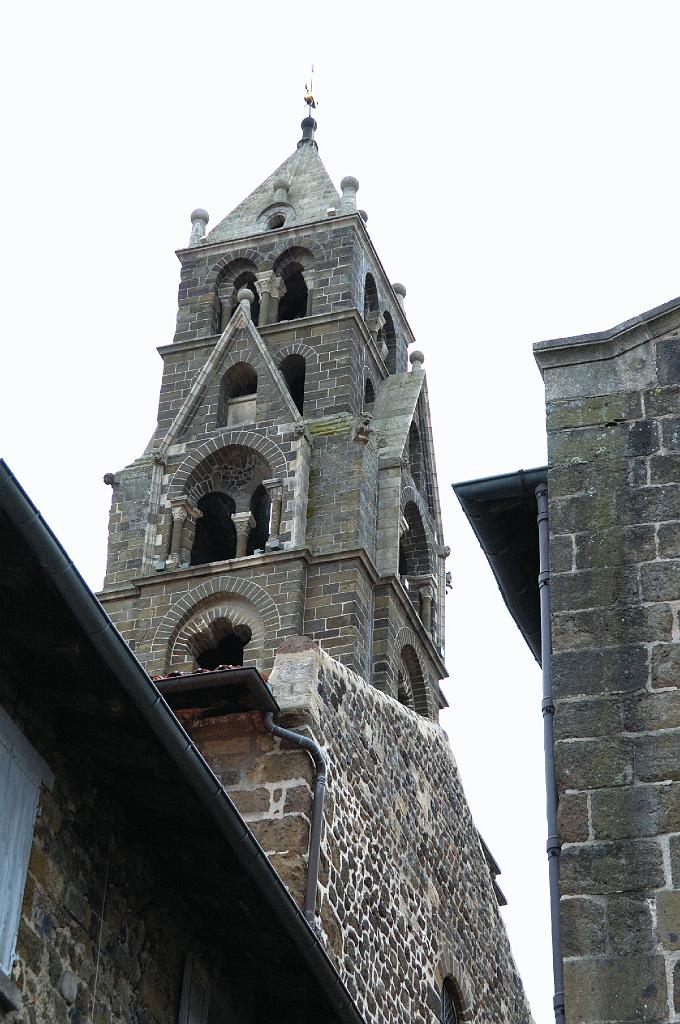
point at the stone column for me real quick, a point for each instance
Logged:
(308, 278)
(375, 324)
(189, 531)
(266, 284)
(243, 523)
(179, 515)
(426, 597)
(274, 489)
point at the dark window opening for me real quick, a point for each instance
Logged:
(370, 296)
(369, 393)
(229, 650)
(277, 221)
(449, 1003)
(260, 507)
(293, 370)
(246, 280)
(403, 560)
(415, 456)
(293, 303)
(239, 381)
(390, 339)
(215, 537)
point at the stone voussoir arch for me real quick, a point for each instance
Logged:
(410, 493)
(296, 348)
(228, 438)
(450, 967)
(300, 244)
(419, 687)
(248, 254)
(217, 590)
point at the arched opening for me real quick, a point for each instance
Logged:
(370, 296)
(293, 303)
(415, 456)
(215, 537)
(277, 220)
(293, 370)
(414, 680)
(245, 280)
(238, 396)
(452, 1007)
(369, 394)
(228, 651)
(390, 338)
(260, 508)
(413, 546)
(404, 690)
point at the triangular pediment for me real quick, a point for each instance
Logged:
(311, 192)
(239, 333)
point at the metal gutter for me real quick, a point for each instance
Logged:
(548, 710)
(313, 748)
(123, 664)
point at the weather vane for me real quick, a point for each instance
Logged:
(309, 97)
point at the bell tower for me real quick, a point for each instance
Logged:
(290, 486)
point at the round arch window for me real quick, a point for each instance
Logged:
(450, 1001)
(276, 221)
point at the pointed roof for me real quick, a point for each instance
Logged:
(310, 193)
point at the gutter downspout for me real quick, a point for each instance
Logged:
(308, 744)
(548, 710)
(134, 679)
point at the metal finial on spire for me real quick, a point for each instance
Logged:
(309, 94)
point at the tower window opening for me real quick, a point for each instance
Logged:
(277, 221)
(415, 456)
(237, 400)
(369, 394)
(260, 506)
(293, 370)
(229, 650)
(215, 537)
(246, 280)
(370, 296)
(293, 304)
(389, 337)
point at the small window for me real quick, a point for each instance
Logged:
(293, 370)
(369, 394)
(22, 771)
(277, 221)
(450, 1003)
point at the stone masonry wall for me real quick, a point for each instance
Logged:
(614, 486)
(97, 913)
(405, 896)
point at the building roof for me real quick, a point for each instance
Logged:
(310, 193)
(502, 512)
(74, 667)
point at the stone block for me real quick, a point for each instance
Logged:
(664, 469)
(669, 540)
(647, 712)
(594, 716)
(651, 504)
(674, 845)
(594, 588)
(612, 670)
(635, 811)
(668, 918)
(665, 667)
(657, 756)
(572, 818)
(660, 581)
(593, 763)
(616, 546)
(663, 401)
(591, 869)
(629, 925)
(582, 926)
(289, 834)
(670, 434)
(668, 361)
(600, 409)
(625, 989)
(561, 553)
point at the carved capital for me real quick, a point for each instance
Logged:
(273, 487)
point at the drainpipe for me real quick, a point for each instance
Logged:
(548, 709)
(317, 806)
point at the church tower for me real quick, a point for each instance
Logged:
(285, 518)
(290, 485)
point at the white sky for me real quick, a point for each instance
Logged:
(519, 165)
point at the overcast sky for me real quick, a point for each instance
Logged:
(519, 165)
